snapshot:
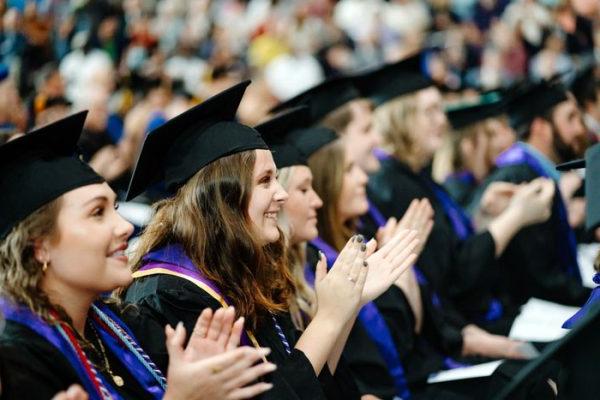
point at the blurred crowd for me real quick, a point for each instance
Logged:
(136, 63)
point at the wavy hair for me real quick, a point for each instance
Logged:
(20, 272)
(209, 217)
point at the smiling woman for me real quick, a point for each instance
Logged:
(61, 248)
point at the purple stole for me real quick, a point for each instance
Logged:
(592, 301)
(567, 244)
(142, 373)
(373, 322)
(172, 260)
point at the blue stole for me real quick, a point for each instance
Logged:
(463, 176)
(24, 316)
(374, 324)
(593, 300)
(519, 153)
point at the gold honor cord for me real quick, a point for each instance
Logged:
(203, 286)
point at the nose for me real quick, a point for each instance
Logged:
(316, 201)
(123, 228)
(281, 195)
(362, 177)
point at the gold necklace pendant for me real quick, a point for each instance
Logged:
(117, 380)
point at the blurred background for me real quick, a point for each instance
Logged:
(136, 63)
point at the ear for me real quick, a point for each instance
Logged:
(41, 250)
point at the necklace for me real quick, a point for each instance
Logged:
(116, 378)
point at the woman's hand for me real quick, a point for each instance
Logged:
(418, 217)
(339, 290)
(496, 198)
(74, 392)
(533, 201)
(388, 263)
(215, 333)
(227, 376)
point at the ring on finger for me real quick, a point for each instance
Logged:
(215, 370)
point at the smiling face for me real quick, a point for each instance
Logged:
(352, 202)
(267, 198)
(85, 254)
(360, 136)
(302, 205)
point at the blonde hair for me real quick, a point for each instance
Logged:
(303, 303)
(20, 272)
(394, 120)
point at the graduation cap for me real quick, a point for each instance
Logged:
(533, 101)
(39, 167)
(393, 80)
(591, 163)
(323, 98)
(291, 138)
(176, 150)
(464, 115)
(578, 353)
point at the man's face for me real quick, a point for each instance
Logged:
(569, 135)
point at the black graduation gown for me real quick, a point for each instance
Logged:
(420, 355)
(165, 299)
(32, 368)
(463, 272)
(531, 258)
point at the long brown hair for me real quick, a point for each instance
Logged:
(209, 217)
(327, 166)
(304, 302)
(20, 272)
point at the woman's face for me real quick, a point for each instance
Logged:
(302, 205)
(361, 138)
(430, 122)
(86, 253)
(353, 197)
(267, 198)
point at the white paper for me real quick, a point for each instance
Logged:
(541, 321)
(473, 371)
(586, 255)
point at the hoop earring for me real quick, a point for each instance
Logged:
(45, 266)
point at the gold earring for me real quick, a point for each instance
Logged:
(45, 266)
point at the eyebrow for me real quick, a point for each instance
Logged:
(101, 198)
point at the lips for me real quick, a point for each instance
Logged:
(119, 253)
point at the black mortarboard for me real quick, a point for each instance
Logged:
(392, 80)
(591, 163)
(291, 138)
(534, 101)
(464, 115)
(39, 167)
(322, 98)
(578, 353)
(175, 151)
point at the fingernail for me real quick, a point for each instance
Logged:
(363, 247)
(321, 255)
(271, 367)
(179, 326)
(360, 238)
(268, 386)
(365, 264)
(264, 351)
